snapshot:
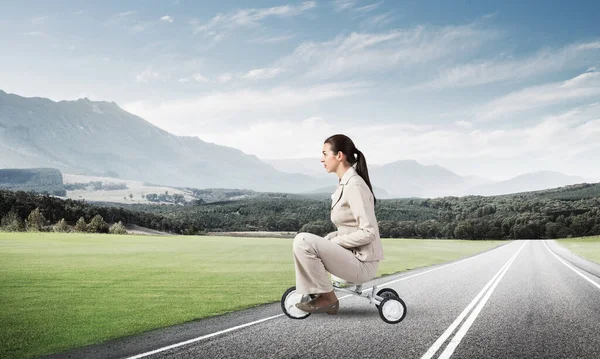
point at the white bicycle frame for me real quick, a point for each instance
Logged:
(357, 290)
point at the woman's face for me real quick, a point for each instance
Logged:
(329, 159)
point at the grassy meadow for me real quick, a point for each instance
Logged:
(587, 247)
(61, 291)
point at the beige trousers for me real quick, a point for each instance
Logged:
(314, 256)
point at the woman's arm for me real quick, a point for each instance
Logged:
(361, 205)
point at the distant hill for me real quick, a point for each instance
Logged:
(38, 180)
(570, 193)
(527, 182)
(98, 138)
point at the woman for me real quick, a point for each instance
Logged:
(353, 251)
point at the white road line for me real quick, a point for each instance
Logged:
(202, 337)
(574, 270)
(440, 341)
(279, 315)
(455, 341)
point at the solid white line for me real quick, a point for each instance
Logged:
(279, 315)
(455, 341)
(202, 337)
(574, 270)
(438, 343)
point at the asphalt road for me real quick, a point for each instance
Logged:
(525, 299)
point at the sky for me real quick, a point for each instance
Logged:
(486, 88)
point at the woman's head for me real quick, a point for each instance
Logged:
(340, 150)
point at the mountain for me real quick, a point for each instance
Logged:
(310, 166)
(99, 138)
(40, 180)
(325, 192)
(527, 182)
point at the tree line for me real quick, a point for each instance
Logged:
(558, 213)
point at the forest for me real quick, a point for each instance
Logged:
(557, 213)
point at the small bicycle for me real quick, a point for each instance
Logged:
(391, 308)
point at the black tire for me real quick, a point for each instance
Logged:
(387, 293)
(393, 317)
(285, 296)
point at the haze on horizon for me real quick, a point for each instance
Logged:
(487, 89)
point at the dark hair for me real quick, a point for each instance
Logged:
(343, 143)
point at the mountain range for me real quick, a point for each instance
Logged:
(98, 138)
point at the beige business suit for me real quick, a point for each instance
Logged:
(352, 252)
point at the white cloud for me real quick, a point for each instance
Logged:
(272, 39)
(124, 14)
(149, 75)
(39, 19)
(167, 18)
(345, 5)
(38, 34)
(183, 80)
(219, 25)
(464, 124)
(311, 130)
(139, 27)
(200, 78)
(360, 53)
(489, 71)
(214, 110)
(368, 8)
(224, 78)
(341, 5)
(377, 20)
(584, 86)
(261, 74)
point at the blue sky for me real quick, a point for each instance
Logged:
(484, 88)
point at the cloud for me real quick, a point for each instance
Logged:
(220, 25)
(167, 18)
(583, 86)
(312, 130)
(38, 34)
(198, 77)
(360, 53)
(464, 124)
(490, 71)
(214, 110)
(261, 74)
(183, 80)
(345, 5)
(139, 27)
(124, 14)
(368, 8)
(378, 20)
(39, 19)
(224, 78)
(341, 5)
(149, 75)
(272, 39)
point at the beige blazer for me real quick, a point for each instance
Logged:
(353, 213)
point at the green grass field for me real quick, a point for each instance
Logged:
(61, 291)
(587, 247)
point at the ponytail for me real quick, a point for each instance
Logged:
(361, 169)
